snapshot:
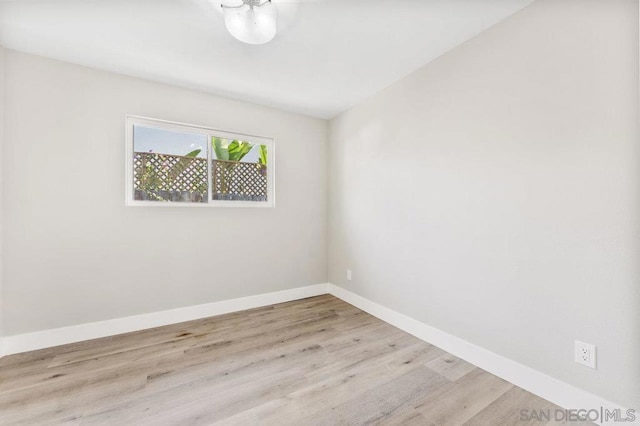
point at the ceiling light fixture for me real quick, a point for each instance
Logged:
(251, 21)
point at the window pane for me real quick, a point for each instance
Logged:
(239, 170)
(169, 166)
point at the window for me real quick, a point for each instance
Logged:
(173, 164)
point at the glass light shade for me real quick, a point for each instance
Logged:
(252, 25)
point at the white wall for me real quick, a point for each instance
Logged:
(1, 194)
(493, 194)
(75, 253)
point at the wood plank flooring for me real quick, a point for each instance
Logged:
(317, 361)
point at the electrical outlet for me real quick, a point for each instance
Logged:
(585, 354)
(348, 274)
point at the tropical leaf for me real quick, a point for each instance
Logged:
(220, 148)
(262, 159)
(238, 149)
(194, 153)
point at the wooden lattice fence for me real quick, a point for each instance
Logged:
(165, 177)
(233, 180)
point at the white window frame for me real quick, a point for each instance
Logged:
(209, 132)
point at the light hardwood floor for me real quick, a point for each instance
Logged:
(317, 361)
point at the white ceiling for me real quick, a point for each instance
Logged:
(328, 55)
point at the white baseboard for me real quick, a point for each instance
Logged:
(547, 387)
(60, 336)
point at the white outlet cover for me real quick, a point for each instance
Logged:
(585, 354)
(348, 274)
